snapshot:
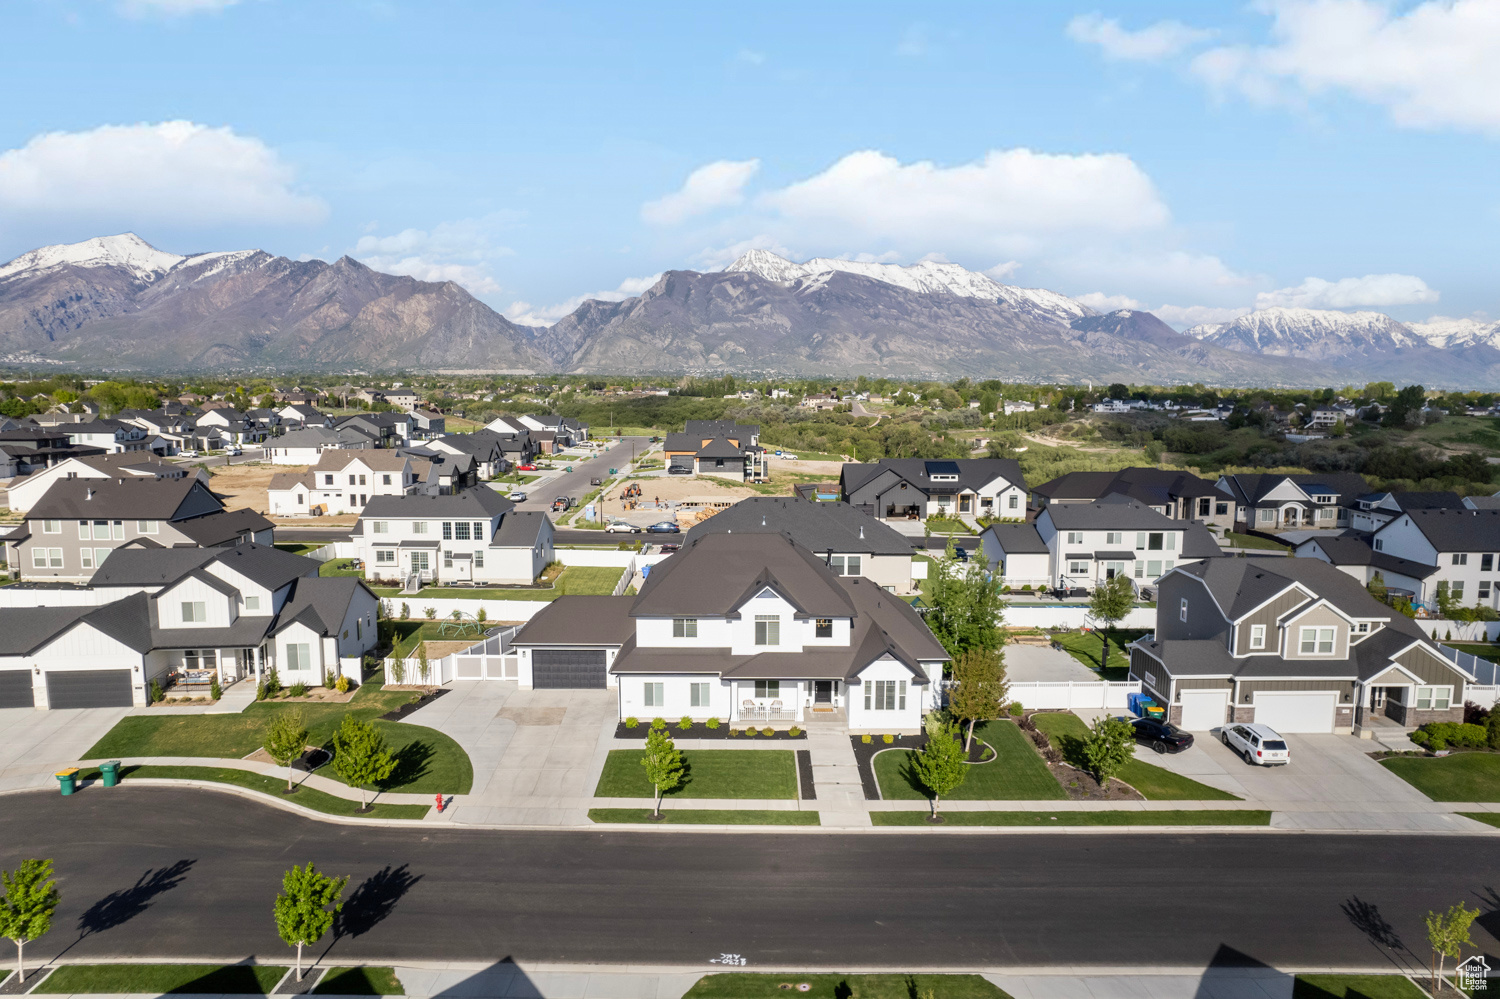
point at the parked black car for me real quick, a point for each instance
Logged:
(1164, 737)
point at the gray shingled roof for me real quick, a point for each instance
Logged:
(1149, 485)
(267, 566)
(130, 498)
(477, 502)
(320, 601)
(223, 527)
(818, 527)
(1017, 539)
(519, 529)
(714, 575)
(1458, 530)
(972, 473)
(580, 620)
(1353, 551)
(1114, 512)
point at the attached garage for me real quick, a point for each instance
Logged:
(682, 461)
(568, 669)
(89, 688)
(1204, 709)
(15, 689)
(1296, 711)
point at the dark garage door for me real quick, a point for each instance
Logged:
(568, 669)
(15, 689)
(89, 688)
(682, 460)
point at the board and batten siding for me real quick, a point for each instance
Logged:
(1317, 617)
(1268, 616)
(1433, 670)
(1142, 664)
(1204, 622)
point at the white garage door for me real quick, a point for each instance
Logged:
(1204, 709)
(1296, 711)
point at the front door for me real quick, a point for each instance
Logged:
(822, 692)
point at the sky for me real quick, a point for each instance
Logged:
(1196, 159)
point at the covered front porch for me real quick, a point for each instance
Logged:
(193, 672)
(773, 702)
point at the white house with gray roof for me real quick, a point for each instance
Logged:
(1462, 546)
(918, 488)
(472, 536)
(749, 629)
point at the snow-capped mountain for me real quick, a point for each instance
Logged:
(928, 278)
(1440, 331)
(126, 251)
(1312, 333)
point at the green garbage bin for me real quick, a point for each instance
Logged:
(111, 772)
(68, 779)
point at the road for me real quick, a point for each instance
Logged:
(251, 454)
(539, 495)
(902, 901)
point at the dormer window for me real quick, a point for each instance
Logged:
(684, 627)
(767, 629)
(823, 627)
(194, 612)
(1257, 636)
(1317, 641)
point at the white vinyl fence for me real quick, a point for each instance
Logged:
(491, 658)
(1072, 616)
(1073, 695)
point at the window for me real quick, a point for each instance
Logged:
(823, 627)
(101, 530)
(1257, 636)
(1317, 641)
(1153, 568)
(1460, 558)
(1114, 538)
(420, 562)
(1078, 568)
(1434, 698)
(850, 566)
(1150, 679)
(298, 656)
(477, 529)
(385, 556)
(86, 557)
(461, 530)
(419, 527)
(194, 612)
(698, 696)
(655, 694)
(380, 527)
(149, 526)
(252, 603)
(447, 530)
(1014, 503)
(53, 527)
(1204, 503)
(1380, 544)
(1267, 516)
(1326, 513)
(1486, 563)
(1182, 610)
(1075, 537)
(1154, 541)
(479, 560)
(447, 560)
(684, 627)
(767, 629)
(1140, 570)
(1171, 541)
(385, 479)
(1221, 509)
(83, 530)
(361, 480)
(1456, 590)
(328, 480)
(885, 695)
(768, 688)
(1484, 590)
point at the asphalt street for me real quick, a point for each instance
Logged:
(539, 495)
(193, 874)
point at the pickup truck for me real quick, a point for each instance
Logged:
(596, 481)
(561, 503)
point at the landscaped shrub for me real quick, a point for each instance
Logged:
(1438, 736)
(887, 738)
(214, 690)
(341, 684)
(685, 723)
(749, 732)
(632, 721)
(1492, 724)
(734, 733)
(768, 731)
(794, 731)
(328, 678)
(260, 691)
(1016, 711)
(405, 612)
(431, 613)
(156, 692)
(712, 723)
(273, 682)
(482, 616)
(299, 689)
(1475, 715)
(865, 739)
(658, 723)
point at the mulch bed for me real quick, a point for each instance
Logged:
(864, 755)
(414, 704)
(805, 775)
(702, 731)
(1076, 784)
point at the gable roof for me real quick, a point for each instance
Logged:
(580, 620)
(1152, 486)
(519, 529)
(1353, 551)
(132, 498)
(1252, 488)
(321, 602)
(973, 473)
(269, 567)
(1459, 530)
(715, 574)
(818, 527)
(477, 502)
(223, 526)
(1016, 539)
(1114, 512)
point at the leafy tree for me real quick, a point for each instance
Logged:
(1109, 746)
(1376, 586)
(940, 766)
(1110, 602)
(967, 603)
(979, 690)
(30, 899)
(286, 739)
(302, 909)
(663, 763)
(1448, 933)
(424, 667)
(360, 756)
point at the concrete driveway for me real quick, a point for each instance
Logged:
(34, 742)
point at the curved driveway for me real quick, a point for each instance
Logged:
(900, 901)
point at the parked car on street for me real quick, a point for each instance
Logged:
(187, 454)
(1162, 736)
(596, 481)
(234, 451)
(665, 527)
(528, 467)
(561, 503)
(620, 527)
(679, 470)
(516, 496)
(1258, 744)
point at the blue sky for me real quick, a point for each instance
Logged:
(1196, 159)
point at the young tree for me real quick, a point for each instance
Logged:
(286, 739)
(360, 756)
(26, 909)
(1109, 746)
(979, 689)
(1376, 587)
(424, 667)
(1110, 602)
(941, 765)
(1448, 933)
(302, 909)
(967, 605)
(663, 763)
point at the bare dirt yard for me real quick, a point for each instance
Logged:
(245, 486)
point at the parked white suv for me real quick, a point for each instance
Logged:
(1258, 744)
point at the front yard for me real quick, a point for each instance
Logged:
(708, 773)
(225, 979)
(575, 580)
(1067, 732)
(429, 761)
(1458, 777)
(1017, 773)
(707, 816)
(306, 797)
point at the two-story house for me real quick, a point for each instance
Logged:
(25, 449)
(24, 492)
(344, 482)
(1373, 511)
(1355, 558)
(848, 541)
(299, 415)
(1462, 546)
(1273, 502)
(472, 536)
(68, 533)
(111, 436)
(306, 446)
(1293, 643)
(181, 617)
(917, 488)
(1179, 495)
(721, 448)
(1088, 543)
(749, 629)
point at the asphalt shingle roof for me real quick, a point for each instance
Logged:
(818, 527)
(1457, 530)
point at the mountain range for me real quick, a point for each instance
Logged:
(117, 303)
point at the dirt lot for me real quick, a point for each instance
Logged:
(245, 485)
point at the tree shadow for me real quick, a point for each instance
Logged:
(412, 762)
(908, 773)
(1489, 916)
(373, 901)
(119, 907)
(687, 778)
(1366, 917)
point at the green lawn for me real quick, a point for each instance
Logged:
(1488, 818)
(707, 816)
(1246, 817)
(1355, 987)
(360, 982)
(574, 580)
(1016, 774)
(306, 797)
(741, 985)
(340, 567)
(258, 979)
(430, 762)
(1089, 648)
(947, 525)
(1067, 730)
(1460, 777)
(588, 580)
(295, 549)
(1483, 651)
(710, 773)
(1251, 541)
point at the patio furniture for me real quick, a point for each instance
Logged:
(747, 709)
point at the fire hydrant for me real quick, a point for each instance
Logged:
(440, 804)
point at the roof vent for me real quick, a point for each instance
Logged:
(861, 532)
(762, 520)
(88, 494)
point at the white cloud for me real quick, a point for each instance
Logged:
(1433, 65)
(172, 8)
(1183, 316)
(1003, 272)
(526, 314)
(1149, 44)
(1348, 293)
(175, 173)
(716, 258)
(1100, 302)
(718, 185)
(463, 251)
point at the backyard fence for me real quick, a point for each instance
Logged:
(491, 658)
(1073, 695)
